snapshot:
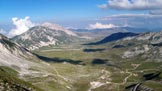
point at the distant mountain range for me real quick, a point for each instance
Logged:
(49, 34)
(105, 32)
(114, 37)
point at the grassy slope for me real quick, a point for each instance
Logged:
(9, 81)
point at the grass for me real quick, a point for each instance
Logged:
(8, 75)
(154, 85)
(9, 71)
(78, 77)
(118, 77)
(149, 65)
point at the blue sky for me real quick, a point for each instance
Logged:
(82, 13)
(50, 9)
(56, 10)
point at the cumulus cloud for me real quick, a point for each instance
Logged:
(149, 21)
(133, 4)
(101, 26)
(156, 12)
(21, 26)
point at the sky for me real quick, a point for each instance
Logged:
(50, 9)
(80, 13)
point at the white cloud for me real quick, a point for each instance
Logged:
(149, 21)
(156, 12)
(101, 26)
(133, 4)
(131, 16)
(103, 6)
(128, 15)
(22, 25)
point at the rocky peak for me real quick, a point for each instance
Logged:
(58, 27)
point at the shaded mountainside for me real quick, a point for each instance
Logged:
(114, 37)
(40, 36)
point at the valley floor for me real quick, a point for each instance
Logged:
(76, 70)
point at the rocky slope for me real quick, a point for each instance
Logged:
(20, 59)
(148, 45)
(17, 62)
(13, 55)
(58, 28)
(45, 35)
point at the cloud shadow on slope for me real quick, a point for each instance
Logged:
(94, 50)
(59, 60)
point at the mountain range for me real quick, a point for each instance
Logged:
(119, 59)
(101, 33)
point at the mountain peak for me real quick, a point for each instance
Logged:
(52, 26)
(40, 36)
(58, 27)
